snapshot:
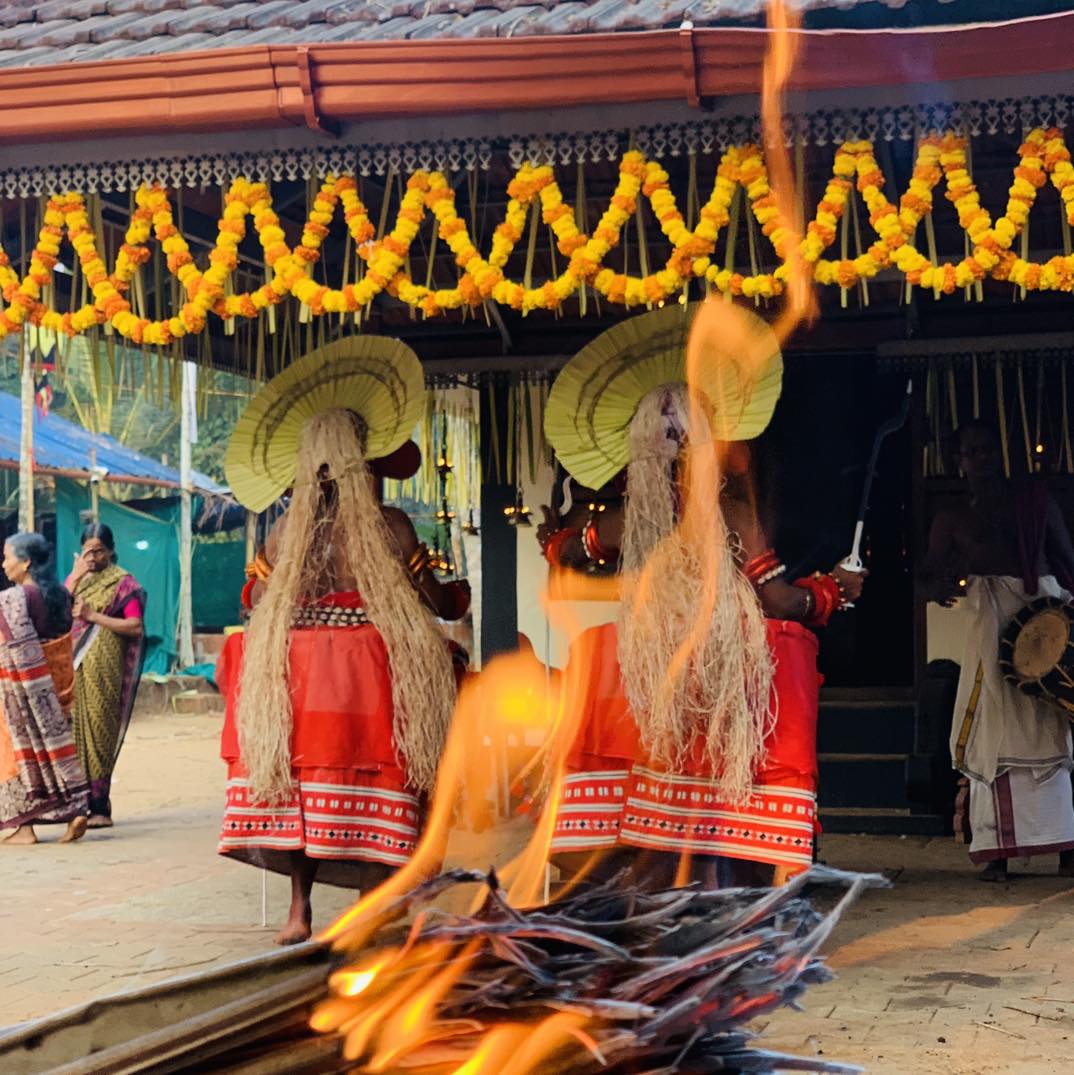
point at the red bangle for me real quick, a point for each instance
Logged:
(595, 550)
(553, 547)
(763, 568)
(247, 599)
(827, 598)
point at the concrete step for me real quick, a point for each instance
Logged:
(196, 703)
(155, 694)
(868, 781)
(207, 647)
(880, 821)
(878, 725)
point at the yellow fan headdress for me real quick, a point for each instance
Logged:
(736, 364)
(380, 379)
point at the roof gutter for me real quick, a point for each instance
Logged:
(321, 86)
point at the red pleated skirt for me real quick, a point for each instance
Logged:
(351, 803)
(615, 795)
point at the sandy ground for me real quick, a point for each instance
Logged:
(939, 974)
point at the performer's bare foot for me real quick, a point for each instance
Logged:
(76, 829)
(23, 836)
(299, 924)
(1066, 863)
(297, 929)
(995, 871)
(99, 821)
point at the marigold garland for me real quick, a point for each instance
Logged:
(941, 156)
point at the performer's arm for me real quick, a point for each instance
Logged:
(561, 544)
(594, 543)
(449, 601)
(258, 572)
(810, 600)
(940, 580)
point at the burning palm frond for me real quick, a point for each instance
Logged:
(610, 979)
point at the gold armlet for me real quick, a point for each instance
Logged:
(418, 562)
(260, 569)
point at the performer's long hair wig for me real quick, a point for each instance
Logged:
(693, 646)
(334, 506)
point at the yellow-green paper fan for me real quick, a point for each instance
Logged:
(736, 363)
(378, 378)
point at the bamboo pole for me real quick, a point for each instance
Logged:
(95, 487)
(187, 435)
(26, 442)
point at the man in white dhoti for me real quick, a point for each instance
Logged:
(995, 554)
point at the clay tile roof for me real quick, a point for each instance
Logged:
(60, 31)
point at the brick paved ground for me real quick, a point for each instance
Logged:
(940, 974)
(145, 901)
(943, 974)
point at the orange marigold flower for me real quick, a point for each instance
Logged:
(654, 291)
(468, 290)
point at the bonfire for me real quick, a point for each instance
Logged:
(608, 979)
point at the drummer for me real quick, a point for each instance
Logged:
(1003, 548)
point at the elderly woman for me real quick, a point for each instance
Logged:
(109, 644)
(40, 778)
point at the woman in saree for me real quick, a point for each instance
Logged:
(109, 645)
(41, 780)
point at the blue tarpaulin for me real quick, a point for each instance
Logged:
(63, 445)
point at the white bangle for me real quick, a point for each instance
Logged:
(768, 576)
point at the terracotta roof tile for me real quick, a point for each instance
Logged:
(268, 13)
(68, 9)
(344, 11)
(62, 30)
(207, 18)
(147, 7)
(23, 35)
(18, 57)
(298, 16)
(15, 12)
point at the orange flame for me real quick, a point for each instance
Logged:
(510, 696)
(784, 43)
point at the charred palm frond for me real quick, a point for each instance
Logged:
(614, 978)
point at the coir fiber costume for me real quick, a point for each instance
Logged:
(352, 797)
(616, 792)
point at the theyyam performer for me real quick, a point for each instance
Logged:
(340, 691)
(693, 717)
